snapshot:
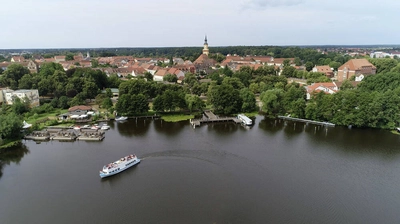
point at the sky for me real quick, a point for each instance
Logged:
(28, 24)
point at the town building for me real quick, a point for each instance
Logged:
(31, 94)
(203, 63)
(324, 69)
(326, 87)
(355, 67)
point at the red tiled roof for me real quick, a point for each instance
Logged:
(80, 107)
(356, 64)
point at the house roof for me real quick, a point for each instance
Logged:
(161, 72)
(80, 107)
(313, 87)
(356, 64)
(323, 68)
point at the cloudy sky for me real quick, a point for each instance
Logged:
(165, 23)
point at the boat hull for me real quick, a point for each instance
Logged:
(103, 175)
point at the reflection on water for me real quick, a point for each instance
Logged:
(12, 155)
(346, 140)
(134, 127)
(169, 128)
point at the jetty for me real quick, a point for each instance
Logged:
(63, 135)
(210, 117)
(38, 136)
(66, 134)
(307, 121)
(91, 135)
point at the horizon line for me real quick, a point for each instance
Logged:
(305, 45)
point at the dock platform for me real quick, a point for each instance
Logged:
(212, 118)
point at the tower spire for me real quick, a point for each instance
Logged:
(205, 48)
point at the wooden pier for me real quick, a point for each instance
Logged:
(307, 121)
(212, 118)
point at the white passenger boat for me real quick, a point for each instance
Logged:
(121, 118)
(244, 119)
(119, 165)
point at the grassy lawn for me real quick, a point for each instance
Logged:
(251, 114)
(176, 117)
(51, 115)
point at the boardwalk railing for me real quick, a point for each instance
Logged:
(307, 121)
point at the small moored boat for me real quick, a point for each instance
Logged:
(105, 127)
(119, 166)
(121, 118)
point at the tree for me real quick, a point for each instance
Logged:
(26, 82)
(190, 79)
(297, 61)
(63, 102)
(148, 76)
(20, 106)
(10, 126)
(90, 89)
(236, 83)
(95, 63)
(107, 103)
(272, 101)
(109, 93)
(225, 98)
(69, 57)
(309, 66)
(249, 100)
(170, 78)
(79, 99)
(132, 104)
(13, 74)
(47, 69)
(289, 71)
(194, 102)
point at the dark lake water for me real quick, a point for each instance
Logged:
(273, 172)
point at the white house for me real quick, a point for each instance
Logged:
(31, 94)
(326, 87)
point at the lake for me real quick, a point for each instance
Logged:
(272, 172)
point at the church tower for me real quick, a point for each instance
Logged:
(205, 48)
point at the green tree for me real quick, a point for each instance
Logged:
(194, 102)
(249, 100)
(170, 78)
(109, 93)
(148, 76)
(90, 89)
(225, 98)
(289, 71)
(10, 126)
(309, 66)
(69, 57)
(95, 63)
(26, 82)
(107, 103)
(12, 75)
(79, 99)
(190, 79)
(272, 101)
(63, 102)
(20, 106)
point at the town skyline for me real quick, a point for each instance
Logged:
(154, 23)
